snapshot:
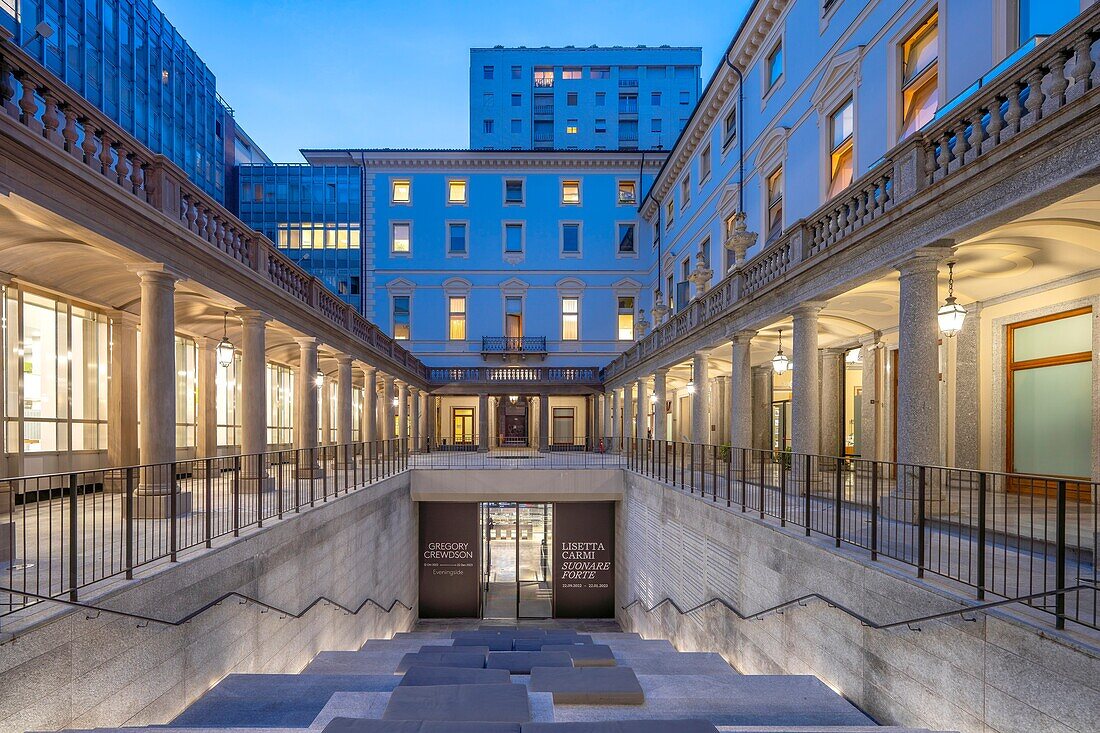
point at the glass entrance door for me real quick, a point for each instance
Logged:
(517, 571)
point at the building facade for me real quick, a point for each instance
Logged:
(581, 98)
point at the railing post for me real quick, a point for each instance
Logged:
(874, 511)
(839, 501)
(278, 487)
(729, 478)
(259, 487)
(370, 462)
(714, 473)
(922, 479)
(980, 550)
(74, 560)
(173, 513)
(809, 460)
(783, 493)
(312, 462)
(691, 480)
(236, 488)
(129, 523)
(762, 483)
(208, 501)
(1060, 559)
(744, 476)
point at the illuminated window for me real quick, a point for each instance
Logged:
(775, 204)
(456, 238)
(599, 72)
(840, 154)
(627, 192)
(544, 77)
(570, 192)
(401, 318)
(571, 127)
(920, 93)
(571, 72)
(456, 318)
(456, 192)
(775, 66)
(570, 238)
(401, 239)
(570, 319)
(280, 405)
(625, 322)
(401, 192)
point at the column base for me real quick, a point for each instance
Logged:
(7, 542)
(309, 473)
(904, 507)
(257, 484)
(159, 506)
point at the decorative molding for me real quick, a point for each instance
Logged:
(840, 78)
(400, 160)
(400, 286)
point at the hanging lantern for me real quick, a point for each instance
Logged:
(780, 362)
(951, 315)
(513, 398)
(225, 346)
(319, 380)
(690, 388)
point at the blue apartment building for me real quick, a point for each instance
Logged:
(581, 98)
(125, 57)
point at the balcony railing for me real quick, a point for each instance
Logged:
(627, 83)
(513, 344)
(1060, 72)
(544, 109)
(514, 375)
(58, 116)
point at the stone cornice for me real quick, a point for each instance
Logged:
(628, 162)
(755, 30)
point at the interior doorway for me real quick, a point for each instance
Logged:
(517, 570)
(513, 422)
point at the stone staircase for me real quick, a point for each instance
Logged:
(499, 679)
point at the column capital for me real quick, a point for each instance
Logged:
(871, 340)
(807, 310)
(414, 390)
(154, 272)
(368, 370)
(124, 318)
(205, 343)
(662, 371)
(344, 359)
(6, 278)
(833, 351)
(306, 342)
(387, 378)
(742, 337)
(251, 316)
(925, 259)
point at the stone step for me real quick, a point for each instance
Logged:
(523, 662)
(427, 676)
(460, 704)
(585, 655)
(355, 663)
(588, 685)
(350, 725)
(406, 645)
(624, 726)
(273, 700)
(681, 663)
(445, 659)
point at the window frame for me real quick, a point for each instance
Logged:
(452, 314)
(465, 224)
(513, 256)
(619, 201)
(580, 239)
(394, 182)
(769, 85)
(393, 316)
(563, 182)
(632, 254)
(576, 317)
(771, 235)
(522, 192)
(619, 314)
(394, 252)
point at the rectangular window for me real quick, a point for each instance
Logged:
(544, 77)
(729, 127)
(627, 193)
(513, 192)
(625, 323)
(704, 164)
(571, 127)
(513, 316)
(517, 72)
(920, 93)
(456, 238)
(685, 97)
(401, 192)
(571, 99)
(462, 425)
(456, 192)
(486, 72)
(775, 204)
(401, 318)
(456, 318)
(570, 239)
(599, 72)
(626, 238)
(655, 99)
(401, 240)
(517, 100)
(571, 72)
(655, 124)
(570, 192)
(517, 126)
(513, 238)
(562, 428)
(488, 99)
(487, 127)
(670, 211)
(685, 191)
(840, 154)
(601, 125)
(775, 66)
(570, 319)
(601, 98)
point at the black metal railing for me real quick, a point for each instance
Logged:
(67, 531)
(513, 344)
(510, 450)
(1006, 535)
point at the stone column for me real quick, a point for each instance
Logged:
(967, 422)
(762, 388)
(641, 409)
(660, 421)
(370, 404)
(805, 382)
(740, 400)
(720, 409)
(157, 394)
(122, 408)
(403, 411)
(615, 413)
(305, 399)
(483, 422)
(544, 422)
(387, 407)
(344, 398)
(700, 420)
(832, 402)
(918, 396)
(414, 418)
(206, 429)
(324, 409)
(628, 414)
(431, 415)
(253, 392)
(870, 417)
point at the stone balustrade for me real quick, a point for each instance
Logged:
(1058, 73)
(514, 375)
(49, 109)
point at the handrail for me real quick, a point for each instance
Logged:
(802, 602)
(207, 606)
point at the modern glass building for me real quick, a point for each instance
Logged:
(313, 214)
(127, 59)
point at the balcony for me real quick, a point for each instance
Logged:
(628, 83)
(513, 346)
(544, 110)
(504, 379)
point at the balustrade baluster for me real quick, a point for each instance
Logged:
(1082, 68)
(88, 146)
(1056, 90)
(1034, 104)
(28, 106)
(69, 133)
(1014, 111)
(51, 122)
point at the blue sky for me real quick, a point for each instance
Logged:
(337, 73)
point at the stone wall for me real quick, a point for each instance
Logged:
(72, 671)
(996, 674)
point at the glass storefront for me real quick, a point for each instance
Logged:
(280, 405)
(517, 580)
(228, 399)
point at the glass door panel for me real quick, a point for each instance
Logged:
(533, 547)
(500, 587)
